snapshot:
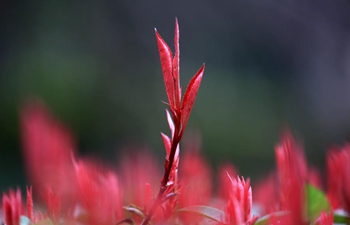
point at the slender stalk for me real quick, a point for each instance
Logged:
(165, 180)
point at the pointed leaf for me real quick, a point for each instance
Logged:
(167, 68)
(167, 144)
(316, 202)
(234, 211)
(30, 204)
(176, 66)
(177, 155)
(265, 219)
(205, 211)
(170, 123)
(190, 96)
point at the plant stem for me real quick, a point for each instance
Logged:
(165, 180)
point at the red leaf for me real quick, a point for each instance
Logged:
(196, 183)
(247, 200)
(12, 207)
(53, 203)
(240, 202)
(176, 67)
(167, 144)
(225, 184)
(234, 214)
(190, 96)
(325, 219)
(47, 146)
(292, 175)
(167, 68)
(30, 205)
(98, 187)
(338, 170)
(170, 123)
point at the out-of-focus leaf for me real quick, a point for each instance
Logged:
(135, 210)
(265, 219)
(30, 204)
(44, 222)
(205, 211)
(341, 217)
(316, 202)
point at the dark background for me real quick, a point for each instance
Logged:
(269, 65)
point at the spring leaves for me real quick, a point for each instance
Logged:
(179, 108)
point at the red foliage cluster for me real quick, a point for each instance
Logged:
(239, 206)
(12, 206)
(338, 168)
(81, 191)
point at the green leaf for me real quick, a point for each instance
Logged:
(204, 211)
(44, 222)
(341, 217)
(265, 219)
(316, 202)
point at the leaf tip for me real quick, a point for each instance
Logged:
(201, 70)
(176, 24)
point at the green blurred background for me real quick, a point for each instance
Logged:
(269, 65)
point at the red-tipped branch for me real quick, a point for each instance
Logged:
(180, 111)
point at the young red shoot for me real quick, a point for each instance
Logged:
(180, 111)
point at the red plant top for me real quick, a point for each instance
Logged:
(171, 74)
(292, 175)
(338, 169)
(239, 205)
(12, 206)
(47, 146)
(180, 112)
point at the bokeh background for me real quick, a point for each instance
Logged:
(269, 65)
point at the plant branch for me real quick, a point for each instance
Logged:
(163, 185)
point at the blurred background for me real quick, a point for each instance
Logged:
(269, 65)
